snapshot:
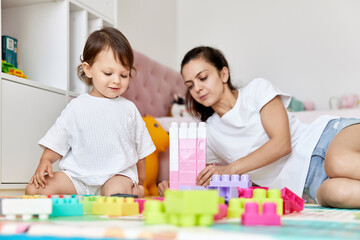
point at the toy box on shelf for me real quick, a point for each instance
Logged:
(9, 50)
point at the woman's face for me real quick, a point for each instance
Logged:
(204, 81)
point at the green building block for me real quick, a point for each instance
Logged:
(154, 212)
(87, 202)
(191, 208)
(272, 195)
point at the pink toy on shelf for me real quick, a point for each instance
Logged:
(296, 202)
(251, 216)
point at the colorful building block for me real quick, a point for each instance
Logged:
(190, 208)
(154, 212)
(222, 213)
(262, 196)
(228, 186)
(183, 208)
(66, 207)
(296, 202)
(252, 216)
(187, 153)
(87, 202)
(26, 208)
(115, 206)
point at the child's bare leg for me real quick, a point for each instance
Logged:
(60, 183)
(340, 193)
(121, 184)
(117, 184)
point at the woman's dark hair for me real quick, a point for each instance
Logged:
(107, 37)
(214, 57)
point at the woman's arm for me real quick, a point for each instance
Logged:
(276, 124)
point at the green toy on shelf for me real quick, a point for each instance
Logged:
(10, 69)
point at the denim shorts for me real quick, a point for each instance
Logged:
(316, 174)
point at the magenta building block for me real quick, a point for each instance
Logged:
(159, 198)
(251, 216)
(223, 210)
(141, 202)
(297, 203)
(245, 192)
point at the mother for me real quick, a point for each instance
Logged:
(250, 130)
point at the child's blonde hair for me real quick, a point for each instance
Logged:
(99, 40)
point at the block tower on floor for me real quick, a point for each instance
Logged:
(187, 153)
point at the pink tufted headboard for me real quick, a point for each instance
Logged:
(154, 86)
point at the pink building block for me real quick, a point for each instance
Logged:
(223, 210)
(251, 216)
(297, 203)
(245, 192)
(187, 153)
(141, 202)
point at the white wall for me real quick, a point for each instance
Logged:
(309, 49)
(150, 26)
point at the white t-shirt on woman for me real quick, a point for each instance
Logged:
(240, 132)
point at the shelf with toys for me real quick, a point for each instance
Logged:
(49, 37)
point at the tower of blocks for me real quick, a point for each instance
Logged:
(187, 153)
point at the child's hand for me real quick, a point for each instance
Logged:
(162, 186)
(45, 166)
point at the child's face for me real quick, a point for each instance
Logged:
(110, 78)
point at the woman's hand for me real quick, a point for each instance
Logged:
(45, 166)
(162, 187)
(204, 177)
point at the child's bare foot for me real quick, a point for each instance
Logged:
(139, 190)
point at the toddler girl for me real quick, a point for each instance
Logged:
(100, 138)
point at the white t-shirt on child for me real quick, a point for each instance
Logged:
(240, 132)
(99, 138)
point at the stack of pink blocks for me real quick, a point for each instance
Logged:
(187, 153)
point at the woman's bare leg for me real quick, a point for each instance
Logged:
(60, 183)
(342, 164)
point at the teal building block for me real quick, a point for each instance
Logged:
(66, 207)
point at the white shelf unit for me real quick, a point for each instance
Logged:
(51, 35)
